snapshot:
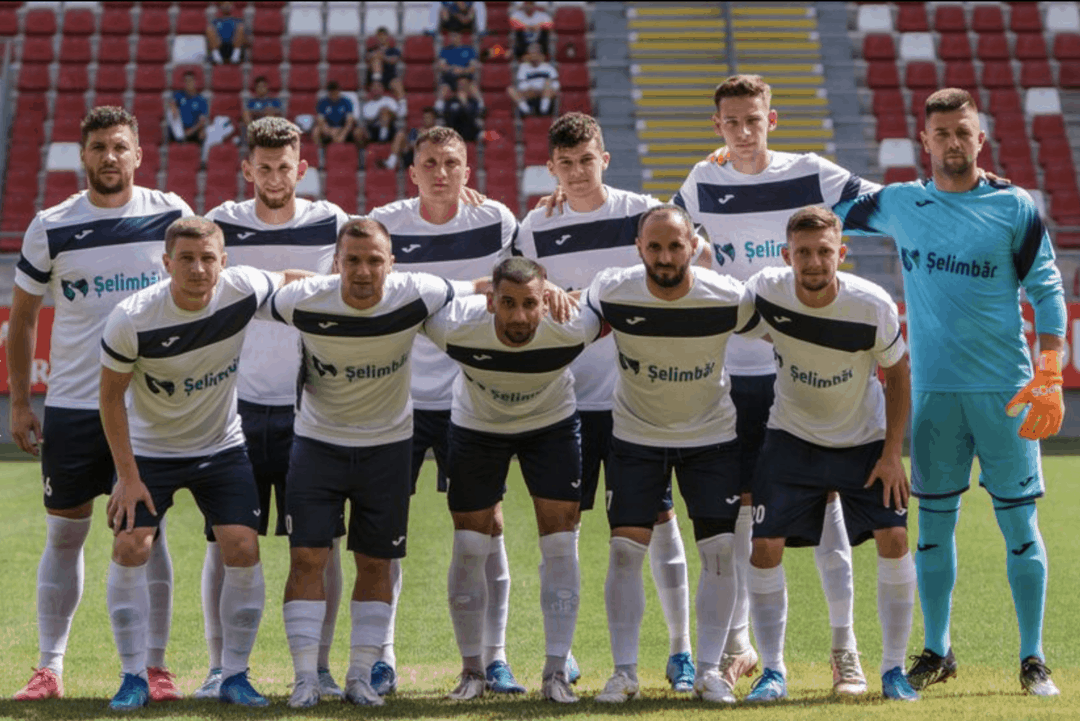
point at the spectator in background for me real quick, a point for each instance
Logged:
(530, 25)
(462, 109)
(226, 36)
(537, 84)
(334, 119)
(384, 64)
(380, 114)
(429, 120)
(457, 17)
(261, 104)
(188, 112)
(456, 61)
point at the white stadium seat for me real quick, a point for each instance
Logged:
(381, 15)
(1042, 101)
(917, 46)
(343, 19)
(1063, 18)
(874, 19)
(896, 152)
(63, 156)
(305, 19)
(537, 180)
(188, 49)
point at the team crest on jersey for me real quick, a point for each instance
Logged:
(156, 385)
(727, 249)
(323, 369)
(68, 287)
(629, 364)
(910, 259)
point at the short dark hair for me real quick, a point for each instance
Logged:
(107, 116)
(573, 129)
(518, 269)
(189, 74)
(947, 100)
(272, 132)
(260, 79)
(362, 227)
(431, 109)
(332, 86)
(192, 226)
(743, 86)
(813, 217)
(438, 135)
(671, 208)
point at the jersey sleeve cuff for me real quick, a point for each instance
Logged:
(31, 286)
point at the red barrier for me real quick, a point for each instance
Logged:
(39, 371)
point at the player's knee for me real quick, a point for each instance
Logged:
(891, 542)
(239, 545)
(132, 548)
(555, 516)
(307, 562)
(709, 527)
(373, 570)
(767, 552)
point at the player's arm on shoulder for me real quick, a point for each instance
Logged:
(22, 334)
(437, 325)
(748, 321)
(510, 230)
(866, 214)
(703, 253)
(889, 469)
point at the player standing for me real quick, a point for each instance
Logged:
(671, 411)
(596, 230)
(438, 233)
(742, 195)
(274, 229)
(89, 252)
(514, 396)
(830, 429)
(968, 245)
(179, 341)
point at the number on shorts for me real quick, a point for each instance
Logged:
(288, 523)
(759, 513)
(48, 486)
(608, 495)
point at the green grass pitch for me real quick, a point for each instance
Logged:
(984, 629)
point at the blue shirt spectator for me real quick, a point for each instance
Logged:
(261, 104)
(226, 36)
(334, 120)
(190, 107)
(335, 110)
(459, 56)
(188, 112)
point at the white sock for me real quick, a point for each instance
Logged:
(159, 580)
(213, 576)
(833, 559)
(215, 54)
(545, 105)
(59, 586)
(128, 601)
(391, 162)
(896, 603)
(369, 621)
(716, 595)
(624, 597)
(332, 585)
(467, 590)
(303, 623)
(768, 606)
(738, 638)
(498, 601)
(560, 585)
(387, 654)
(234, 55)
(667, 559)
(243, 595)
(524, 107)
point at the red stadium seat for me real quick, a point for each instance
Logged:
(918, 105)
(227, 104)
(496, 78)
(1047, 126)
(1024, 18)
(345, 75)
(571, 50)
(191, 20)
(1004, 100)
(419, 49)
(266, 50)
(1069, 74)
(1067, 46)
(1065, 207)
(149, 108)
(268, 21)
(304, 78)
(498, 20)
(40, 22)
(178, 72)
(110, 98)
(221, 162)
(891, 126)
(184, 156)
(1052, 150)
(342, 157)
(950, 19)
(960, 74)
(998, 75)
(954, 46)
(37, 50)
(227, 78)
(1009, 124)
(305, 49)
(60, 186)
(911, 18)
(878, 46)
(1014, 149)
(183, 183)
(115, 21)
(1058, 178)
(152, 50)
(149, 78)
(301, 104)
(494, 49)
(570, 21)
(76, 50)
(987, 19)
(575, 102)
(342, 50)
(986, 158)
(9, 21)
(882, 74)
(113, 51)
(154, 21)
(419, 77)
(574, 76)
(1020, 173)
(886, 101)
(272, 73)
(900, 175)
(343, 192)
(1030, 46)
(111, 78)
(72, 79)
(1036, 74)
(34, 77)
(993, 47)
(921, 75)
(1068, 240)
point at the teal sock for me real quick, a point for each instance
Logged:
(935, 566)
(1025, 565)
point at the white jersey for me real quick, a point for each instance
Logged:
(827, 389)
(89, 259)
(530, 77)
(356, 362)
(182, 399)
(465, 248)
(573, 248)
(503, 389)
(270, 359)
(746, 218)
(672, 390)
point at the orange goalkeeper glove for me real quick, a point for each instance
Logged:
(1043, 395)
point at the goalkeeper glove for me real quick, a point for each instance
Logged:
(1043, 396)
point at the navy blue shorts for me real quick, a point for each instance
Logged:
(638, 476)
(375, 481)
(269, 434)
(794, 481)
(222, 483)
(430, 430)
(76, 464)
(753, 397)
(595, 446)
(550, 461)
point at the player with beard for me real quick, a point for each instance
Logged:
(672, 411)
(275, 229)
(89, 252)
